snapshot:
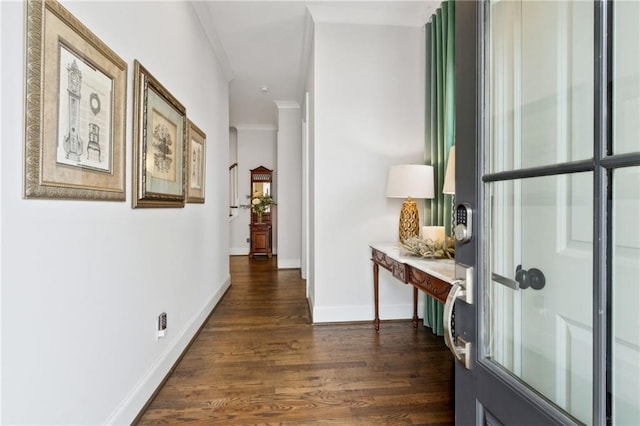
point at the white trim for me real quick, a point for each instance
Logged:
(288, 263)
(381, 14)
(307, 42)
(204, 16)
(363, 313)
(287, 104)
(1, 210)
(238, 251)
(255, 126)
(304, 258)
(130, 407)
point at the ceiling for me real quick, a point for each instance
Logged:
(264, 45)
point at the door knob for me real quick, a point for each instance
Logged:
(533, 278)
(524, 279)
(536, 279)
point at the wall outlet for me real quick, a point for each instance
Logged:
(161, 325)
(248, 240)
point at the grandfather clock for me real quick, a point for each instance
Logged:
(72, 142)
(260, 226)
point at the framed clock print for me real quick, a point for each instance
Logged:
(75, 109)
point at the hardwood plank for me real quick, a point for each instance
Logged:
(259, 360)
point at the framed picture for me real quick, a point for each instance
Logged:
(75, 109)
(196, 163)
(159, 127)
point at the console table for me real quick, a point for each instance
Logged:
(433, 276)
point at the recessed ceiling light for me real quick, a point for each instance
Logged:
(264, 89)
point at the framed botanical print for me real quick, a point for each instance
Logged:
(159, 127)
(196, 163)
(75, 109)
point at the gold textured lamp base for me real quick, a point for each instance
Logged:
(409, 225)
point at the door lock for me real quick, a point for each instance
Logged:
(463, 230)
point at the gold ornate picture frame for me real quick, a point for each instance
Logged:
(159, 134)
(75, 109)
(195, 163)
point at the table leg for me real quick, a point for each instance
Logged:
(376, 320)
(415, 307)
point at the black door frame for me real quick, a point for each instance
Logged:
(484, 393)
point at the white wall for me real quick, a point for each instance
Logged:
(256, 147)
(2, 84)
(83, 282)
(289, 184)
(369, 115)
(309, 179)
(233, 145)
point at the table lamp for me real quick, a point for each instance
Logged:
(410, 181)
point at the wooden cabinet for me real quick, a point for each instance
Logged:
(260, 239)
(261, 225)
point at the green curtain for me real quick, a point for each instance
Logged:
(439, 128)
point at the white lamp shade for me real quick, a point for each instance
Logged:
(449, 186)
(410, 180)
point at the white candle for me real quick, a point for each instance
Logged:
(433, 233)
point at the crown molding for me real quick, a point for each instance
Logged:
(287, 104)
(266, 127)
(307, 45)
(204, 16)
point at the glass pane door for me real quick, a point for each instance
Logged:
(625, 333)
(539, 295)
(626, 297)
(555, 324)
(540, 83)
(626, 77)
(539, 298)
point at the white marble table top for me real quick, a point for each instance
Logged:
(443, 269)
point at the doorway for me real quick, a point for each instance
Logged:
(554, 146)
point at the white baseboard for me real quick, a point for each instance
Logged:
(238, 251)
(288, 263)
(244, 251)
(130, 407)
(324, 314)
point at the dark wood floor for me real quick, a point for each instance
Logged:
(259, 360)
